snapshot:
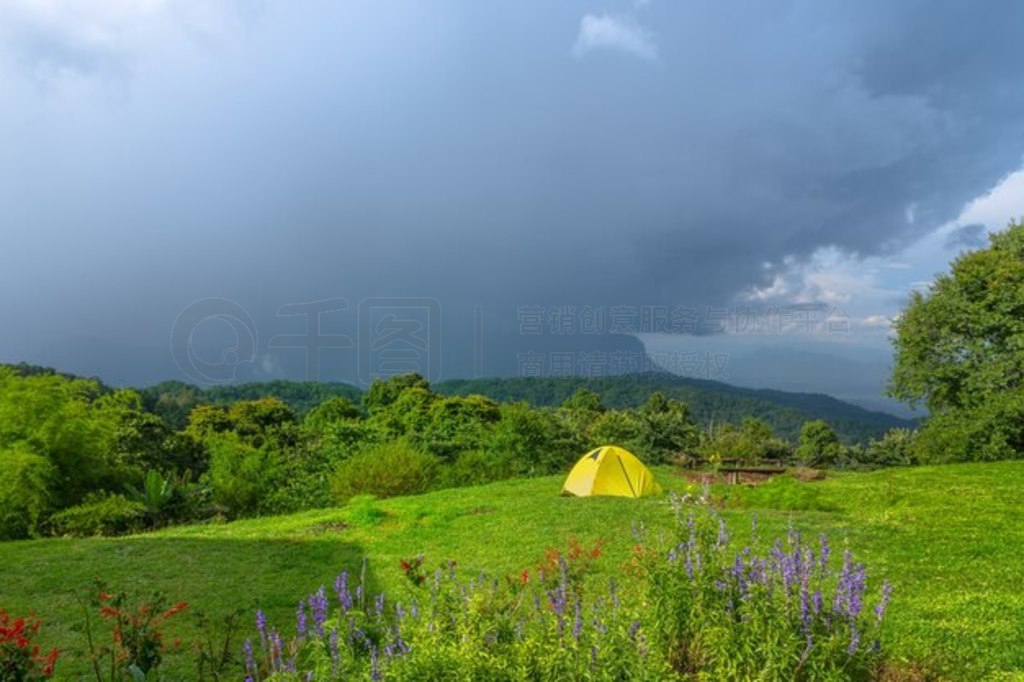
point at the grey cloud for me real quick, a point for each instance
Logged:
(459, 152)
(966, 236)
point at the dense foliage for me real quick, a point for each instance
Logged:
(960, 352)
(80, 458)
(174, 400)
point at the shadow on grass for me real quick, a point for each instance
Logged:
(214, 575)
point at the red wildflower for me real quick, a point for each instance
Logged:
(177, 608)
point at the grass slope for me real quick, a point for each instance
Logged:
(947, 537)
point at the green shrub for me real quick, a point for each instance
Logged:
(24, 492)
(100, 514)
(343, 439)
(819, 445)
(384, 470)
(898, 447)
(988, 432)
(457, 424)
(476, 467)
(243, 476)
(532, 441)
(750, 442)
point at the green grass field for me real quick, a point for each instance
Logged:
(949, 538)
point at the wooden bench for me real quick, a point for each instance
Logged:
(732, 474)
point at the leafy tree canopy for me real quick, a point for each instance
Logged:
(960, 352)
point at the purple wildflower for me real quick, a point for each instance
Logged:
(300, 619)
(788, 569)
(261, 627)
(805, 613)
(341, 589)
(276, 650)
(332, 644)
(318, 609)
(374, 667)
(825, 552)
(250, 659)
(839, 600)
(857, 585)
(577, 623)
(886, 596)
(854, 641)
(557, 599)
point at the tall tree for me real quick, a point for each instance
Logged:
(960, 352)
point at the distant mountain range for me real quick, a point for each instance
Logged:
(709, 401)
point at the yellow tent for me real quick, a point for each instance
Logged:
(610, 470)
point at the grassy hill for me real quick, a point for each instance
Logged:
(947, 537)
(709, 401)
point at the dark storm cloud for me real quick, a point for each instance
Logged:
(477, 155)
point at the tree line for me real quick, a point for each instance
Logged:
(80, 458)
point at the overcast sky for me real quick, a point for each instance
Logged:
(649, 153)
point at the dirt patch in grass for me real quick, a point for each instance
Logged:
(329, 527)
(906, 672)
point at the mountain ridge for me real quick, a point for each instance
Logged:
(710, 401)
